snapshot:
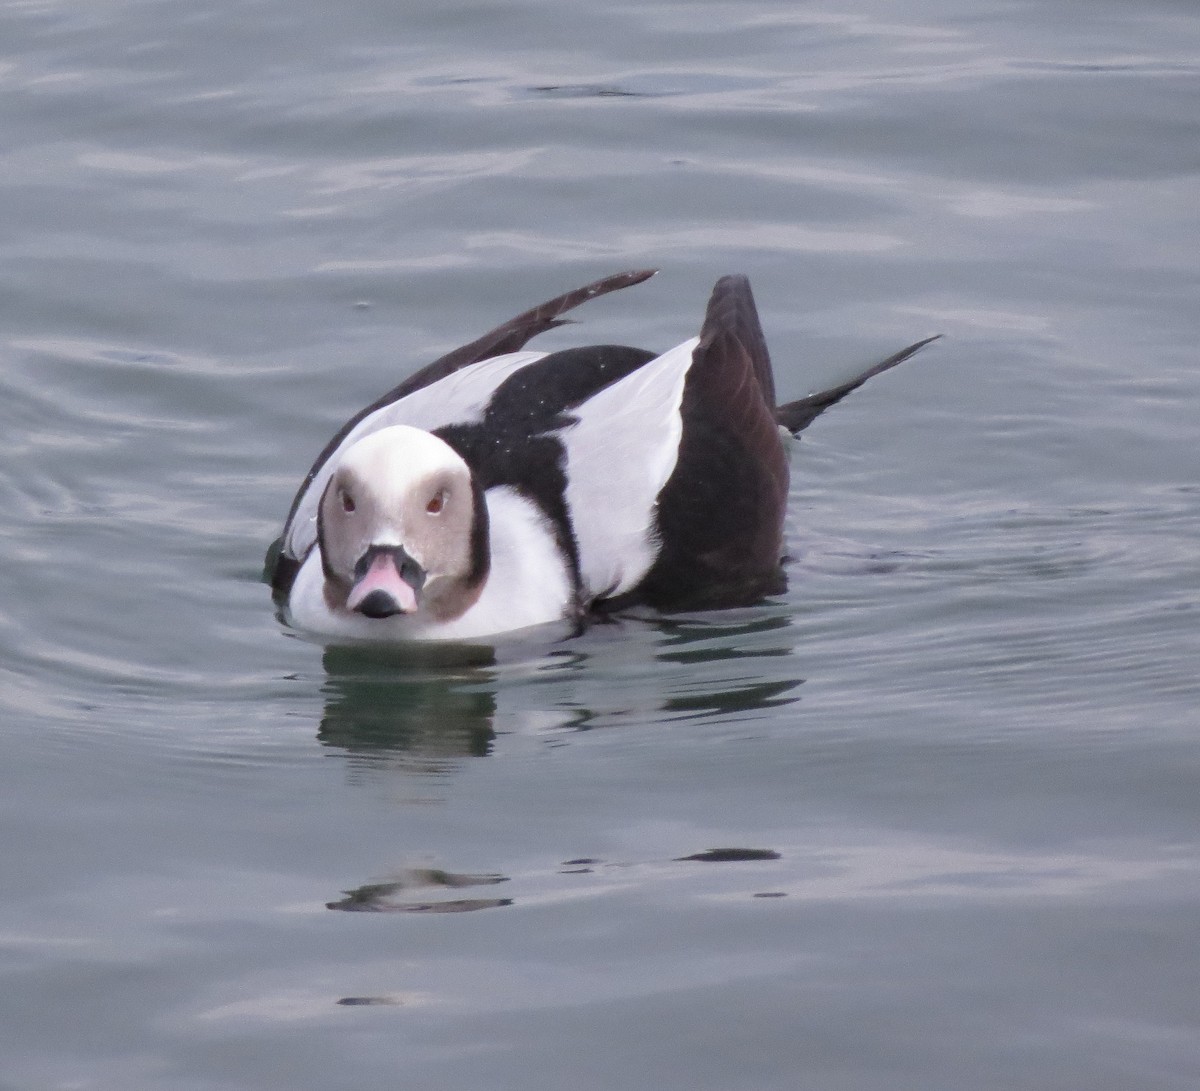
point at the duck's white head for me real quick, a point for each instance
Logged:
(402, 528)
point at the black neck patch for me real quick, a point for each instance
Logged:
(481, 554)
(330, 575)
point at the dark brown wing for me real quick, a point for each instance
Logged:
(512, 335)
(720, 517)
(798, 415)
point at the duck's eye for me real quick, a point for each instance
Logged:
(436, 502)
(347, 500)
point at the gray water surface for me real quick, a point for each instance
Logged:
(961, 755)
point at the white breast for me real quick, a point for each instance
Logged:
(528, 584)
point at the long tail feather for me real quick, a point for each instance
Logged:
(798, 415)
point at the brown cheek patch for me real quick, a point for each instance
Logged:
(335, 595)
(464, 592)
(334, 537)
(455, 601)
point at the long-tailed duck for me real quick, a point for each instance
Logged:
(498, 488)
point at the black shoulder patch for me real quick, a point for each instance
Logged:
(515, 444)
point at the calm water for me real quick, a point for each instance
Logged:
(964, 748)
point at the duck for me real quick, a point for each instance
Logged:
(500, 488)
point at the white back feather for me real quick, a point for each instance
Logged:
(620, 454)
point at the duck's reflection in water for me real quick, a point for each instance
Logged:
(421, 712)
(416, 710)
(735, 667)
(422, 709)
(687, 667)
(418, 890)
(419, 709)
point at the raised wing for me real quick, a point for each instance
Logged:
(513, 335)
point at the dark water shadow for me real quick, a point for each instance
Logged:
(700, 639)
(729, 856)
(735, 699)
(586, 90)
(707, 646)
